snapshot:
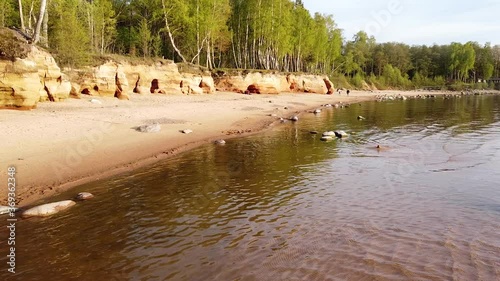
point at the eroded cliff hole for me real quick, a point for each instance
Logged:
(154, 86)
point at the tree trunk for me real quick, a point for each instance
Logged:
(43, 4)
(30, 15)
(21, 16)
(45, 30)
(167, 25)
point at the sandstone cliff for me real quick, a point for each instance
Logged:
(31, 75)
(273, 83)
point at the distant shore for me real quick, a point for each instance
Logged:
(61, 145)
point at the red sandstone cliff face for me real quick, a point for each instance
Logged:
(122, 79)
(34, 77)
(37, 78)
(274, 83)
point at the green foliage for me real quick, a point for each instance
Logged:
(340, 81)
(252, 34)
(144, 35)
(357, 81)
(69, 39)
(393, 77)
(462, 60)
(8, 14)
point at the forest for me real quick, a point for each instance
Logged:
(276, 35)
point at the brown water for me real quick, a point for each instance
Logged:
(283, 205)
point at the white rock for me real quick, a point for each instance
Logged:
(326, 138)
(48, 209)
(95, 101)
(220, 142)
(329, 134)
(341, 134)
(294, 118)
(187, 131)
(361, 118)
(7, 210)
(317, 111)
(151, 128)
(84, 196)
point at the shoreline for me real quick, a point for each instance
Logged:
(62, 145)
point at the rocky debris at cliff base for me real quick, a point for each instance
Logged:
(237, 132)
(48, 209)
(149, 128)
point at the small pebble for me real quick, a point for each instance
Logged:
(84, 196)
(220, 142)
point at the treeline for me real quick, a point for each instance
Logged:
(251, 34)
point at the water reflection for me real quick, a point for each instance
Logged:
(283, 205)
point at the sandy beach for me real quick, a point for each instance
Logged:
(61, 145)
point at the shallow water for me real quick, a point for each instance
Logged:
(282, 205)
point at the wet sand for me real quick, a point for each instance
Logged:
(61, 145)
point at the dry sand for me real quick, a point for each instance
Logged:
(60, 145)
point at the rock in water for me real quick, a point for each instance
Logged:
(48, 209)
(317, 111)
(220, 142)
(329, 134)
(341, 134)
(7, 210)
(187, 131)
(313, 132)
(294, 118)
(361, 118)
(84, 196)
(152, 128)
(326, 138)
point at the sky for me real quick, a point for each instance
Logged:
(415, 22)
